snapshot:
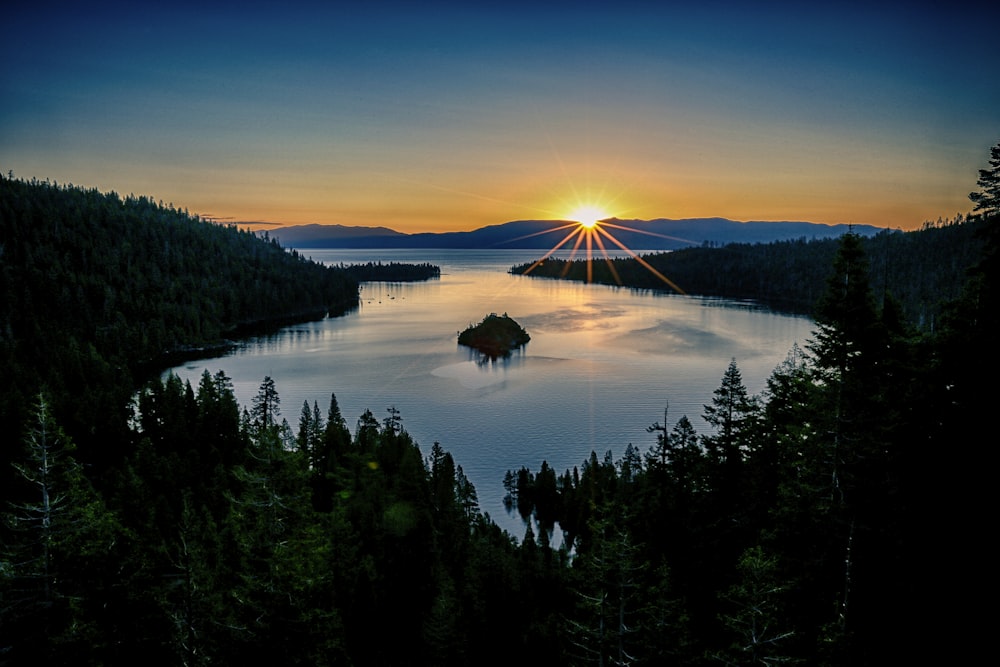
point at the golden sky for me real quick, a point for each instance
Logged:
(442, 117)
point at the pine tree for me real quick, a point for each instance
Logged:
(687, 460)
(311, 435)
(510, 489)
(755, 618)
(676, 460)
(441, 467)
(338, 436)
(659, 454)
(56, 561)
(196, 600)
(265, 410)
(987, 199)
(603, 628)
(329, 447)
(468, 498)
(268, 511)
(841, 500)
(846, 335)
(732, 415)
(218, 421)
(956, 412)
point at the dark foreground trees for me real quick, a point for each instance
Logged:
(787, 534)
(59, 551)
(802, 529)
(232, 538)
(987, 198)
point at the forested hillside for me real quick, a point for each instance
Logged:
(921, 270)
(95, 287)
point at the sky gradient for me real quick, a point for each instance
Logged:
(441, 117)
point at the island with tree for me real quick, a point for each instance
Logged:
(495, 336)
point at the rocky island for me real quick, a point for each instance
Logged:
(495, 336)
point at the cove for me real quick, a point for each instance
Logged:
(600, 366)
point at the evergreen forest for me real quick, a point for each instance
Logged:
(99, 290)
(838, 518)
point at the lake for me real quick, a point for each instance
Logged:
(601, 365)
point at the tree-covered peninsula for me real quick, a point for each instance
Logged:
(922, 270)
(97, 289)
(392, 272)
(495, 336)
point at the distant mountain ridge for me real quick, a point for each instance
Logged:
(658, 234)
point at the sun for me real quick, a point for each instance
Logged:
(588, 215)
(588, 228)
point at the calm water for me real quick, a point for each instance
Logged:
(601, 364)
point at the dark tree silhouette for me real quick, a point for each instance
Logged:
(987, 199)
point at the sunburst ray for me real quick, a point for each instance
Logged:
(595, 233)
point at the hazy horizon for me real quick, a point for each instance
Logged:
(264, 226)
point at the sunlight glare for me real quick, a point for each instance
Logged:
(588, 215)
(587, 227)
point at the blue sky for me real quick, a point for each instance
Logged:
(443, 116)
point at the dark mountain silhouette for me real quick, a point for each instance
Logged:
(659, 234)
